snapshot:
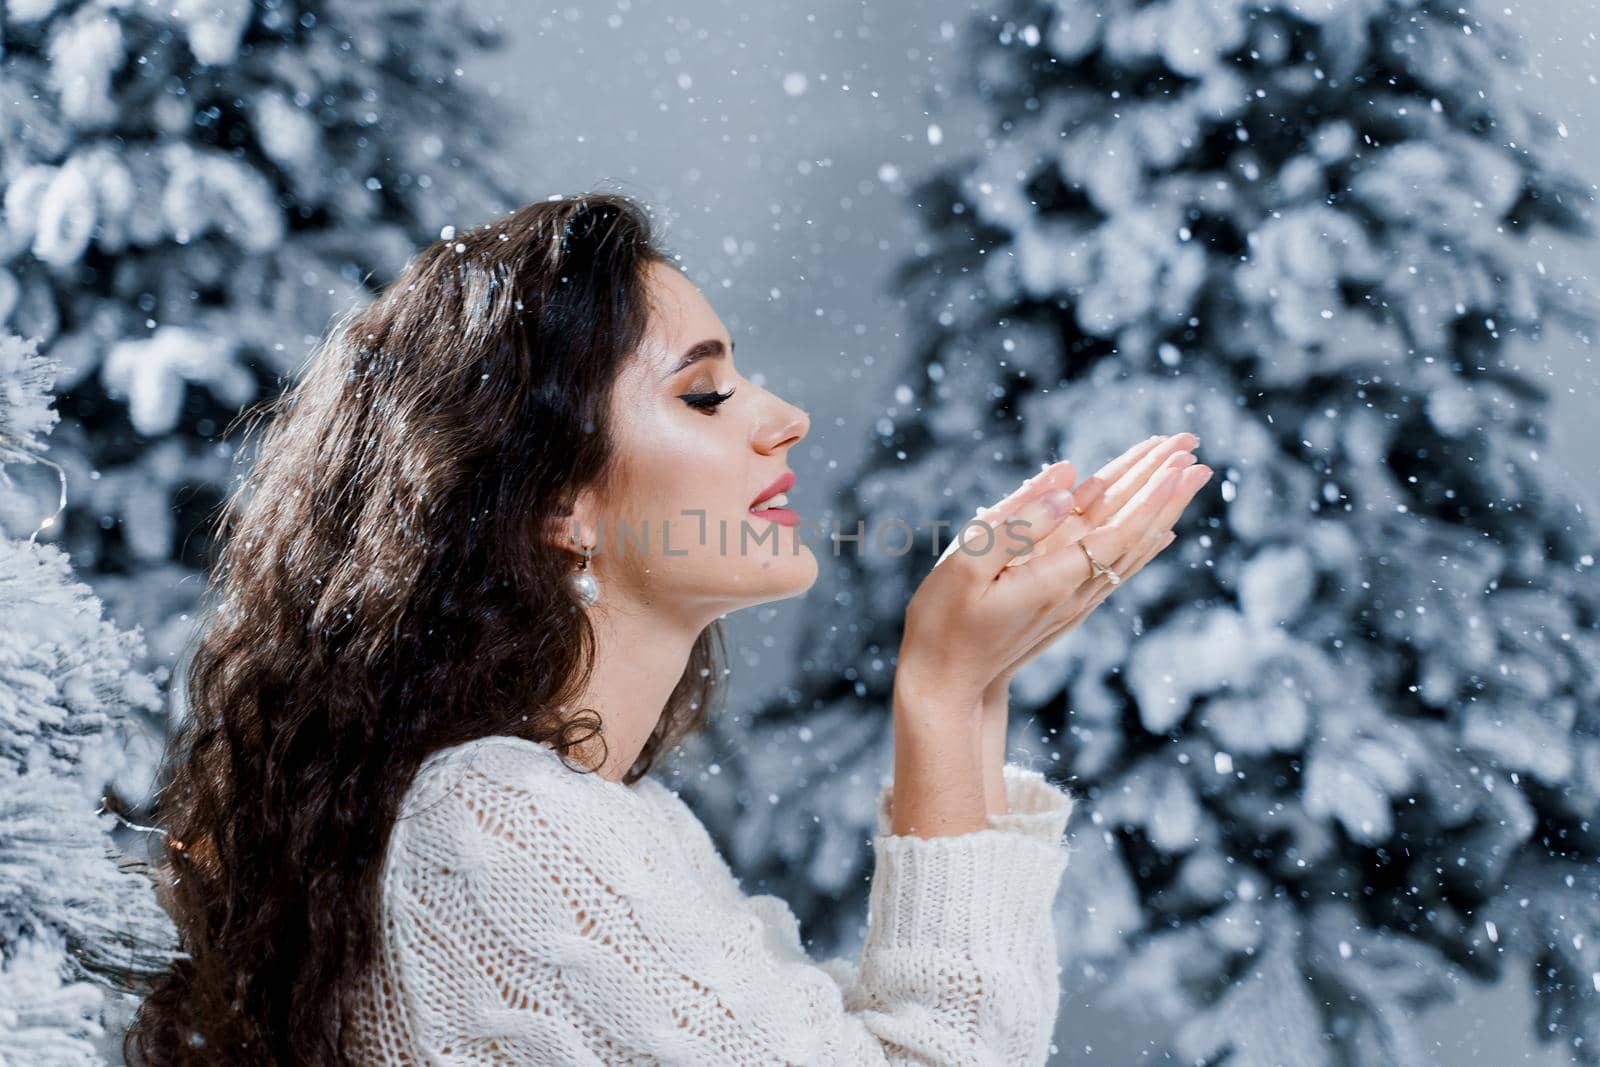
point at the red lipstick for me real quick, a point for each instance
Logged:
(781, 514)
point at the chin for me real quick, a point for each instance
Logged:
(789, 574)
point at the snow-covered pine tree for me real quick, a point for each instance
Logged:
(191, 192)
(1340, 744)
(78, 921)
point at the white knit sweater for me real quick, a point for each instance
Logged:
(534, 914)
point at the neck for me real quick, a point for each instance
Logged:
(640, 654)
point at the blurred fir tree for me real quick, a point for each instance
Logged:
(191, 193)
(79, 921)
(1340, 743)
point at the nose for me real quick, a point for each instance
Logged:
(783, 427)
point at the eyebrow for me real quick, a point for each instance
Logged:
(709, 349)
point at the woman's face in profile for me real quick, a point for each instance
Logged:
(691, 467)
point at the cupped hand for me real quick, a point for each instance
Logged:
(1102, 498)
(979, 615)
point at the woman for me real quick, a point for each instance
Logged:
(408, 815)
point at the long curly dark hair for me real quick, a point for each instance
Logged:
(386, 585)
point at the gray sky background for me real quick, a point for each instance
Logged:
(770, 138)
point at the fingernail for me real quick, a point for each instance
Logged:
(1059, 501)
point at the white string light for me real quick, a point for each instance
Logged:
(33, 457)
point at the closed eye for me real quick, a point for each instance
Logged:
(706, 401)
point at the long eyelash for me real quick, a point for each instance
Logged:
(706, 401)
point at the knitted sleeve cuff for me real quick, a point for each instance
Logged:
(1034, 806)
(978, 896)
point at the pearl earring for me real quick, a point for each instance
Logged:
(583, 583)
